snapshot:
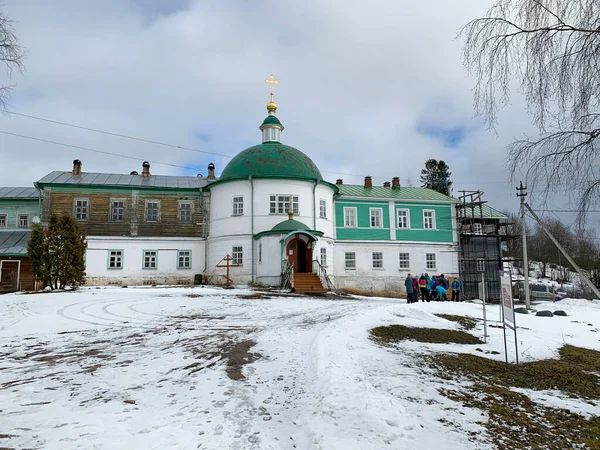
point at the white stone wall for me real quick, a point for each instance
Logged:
(220, 247)
(227, 230)
(269, 258)
(132, 272)
(390, 277)
(223, 223)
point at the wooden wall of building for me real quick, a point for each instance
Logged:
(26, 279)
(100, 223)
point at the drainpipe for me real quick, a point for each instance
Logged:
(315, 204)
(252, 226)
(206, 221)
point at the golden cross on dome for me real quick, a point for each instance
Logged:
(271, 106)
(272, 82)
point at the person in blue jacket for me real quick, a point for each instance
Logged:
(432, 287)
(456, 290)
(441, 293)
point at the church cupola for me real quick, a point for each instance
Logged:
(271, 127)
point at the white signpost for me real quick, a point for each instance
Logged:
(508, 314)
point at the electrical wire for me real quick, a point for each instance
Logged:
(78, 147)
(165, 144)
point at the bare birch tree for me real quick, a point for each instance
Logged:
(552, 49)
(11, 54)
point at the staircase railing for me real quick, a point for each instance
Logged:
(287, 276)
(321, 272)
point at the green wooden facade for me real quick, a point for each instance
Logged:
(11, 209)
(389, 230)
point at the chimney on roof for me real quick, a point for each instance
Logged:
(339, 181)
(368, 181)
(145, 169)
(211, 172)
(396, 183)
(76, 167)
(386, 184)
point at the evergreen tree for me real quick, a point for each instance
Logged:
(436, 176)
(57, 252)
(36, 252)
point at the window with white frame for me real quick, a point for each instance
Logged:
(322, 209)
(115, 259)
(184, 259)
(377, 260)
(430, 263)
(376, 214)
(186, 209)
(152, 210)
(350, 260)
(403, 218)
(350, 217)
(280, 204)
(429, 219)
(150, 259)
(23, 220)
(404, 261)
(323, 257)
(237, 255)
(480, 265)
(3, 218)
(117, 210)
(238, 205)
(81, 208)
(477, 228)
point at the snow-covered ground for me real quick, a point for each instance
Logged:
(152, 368)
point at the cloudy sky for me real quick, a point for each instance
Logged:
(366, 88)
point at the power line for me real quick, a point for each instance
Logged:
(125, 136)
(180, 147)
(47, 141)
(568, 210)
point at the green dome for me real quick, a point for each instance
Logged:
(271, 120)
(290, 225)
(271, 160)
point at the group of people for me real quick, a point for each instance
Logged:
(431, 288)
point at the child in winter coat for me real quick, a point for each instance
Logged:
(424, 288)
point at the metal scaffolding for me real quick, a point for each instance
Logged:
(480, 249)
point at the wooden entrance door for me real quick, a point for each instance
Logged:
(300, 255)
(9, 276)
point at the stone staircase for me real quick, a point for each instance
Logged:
(308, 283)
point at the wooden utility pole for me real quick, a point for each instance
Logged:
(564, 252)
(522, 194)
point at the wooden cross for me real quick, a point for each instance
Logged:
(227, 260)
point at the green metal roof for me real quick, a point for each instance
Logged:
(486, 212)
(272, 120)
(271, 160)
(290, 225)
(402, 193)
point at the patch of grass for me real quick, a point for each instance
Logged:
(515, 421)
(395, 333)
(572, 373)
(466, 322)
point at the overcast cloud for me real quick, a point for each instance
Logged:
(366, 88)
